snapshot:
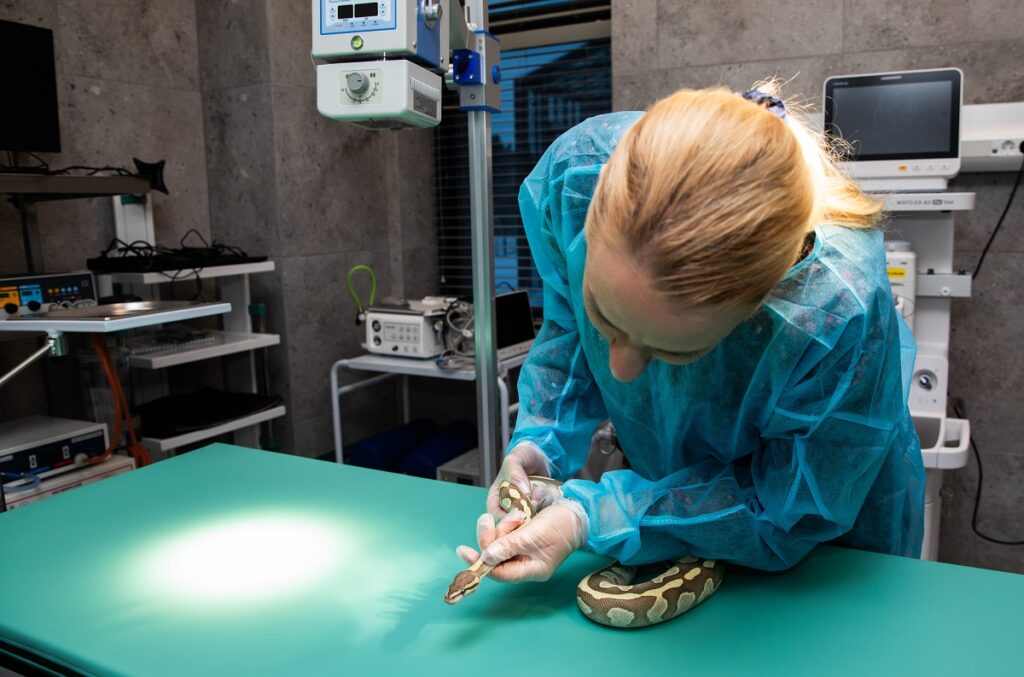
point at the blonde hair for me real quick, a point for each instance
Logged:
(714, 196)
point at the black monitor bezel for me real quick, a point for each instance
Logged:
(849, 153)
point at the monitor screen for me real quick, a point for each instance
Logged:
(28, 117)
(897, 116)
(513, 318)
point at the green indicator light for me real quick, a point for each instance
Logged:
(357, 42)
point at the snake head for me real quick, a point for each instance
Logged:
(464, 584)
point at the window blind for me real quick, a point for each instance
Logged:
(545, 90)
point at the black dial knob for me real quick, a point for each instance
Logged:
(375, 326)
(376, 340)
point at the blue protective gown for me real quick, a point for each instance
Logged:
(793, 431)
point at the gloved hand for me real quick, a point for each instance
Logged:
(533, 552)
(519, 464)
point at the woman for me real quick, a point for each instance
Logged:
(715, 287)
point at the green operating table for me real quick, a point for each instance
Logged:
(230, 561)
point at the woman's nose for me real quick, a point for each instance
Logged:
(626, 361)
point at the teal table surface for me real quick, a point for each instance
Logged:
(230, 561)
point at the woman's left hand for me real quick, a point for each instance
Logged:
(533, 552)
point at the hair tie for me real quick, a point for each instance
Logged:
(772, 103)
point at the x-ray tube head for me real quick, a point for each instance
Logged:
(379, 94)
(379, 64)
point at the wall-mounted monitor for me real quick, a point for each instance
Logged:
(28, 82)
(897, 131)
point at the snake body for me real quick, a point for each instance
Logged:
(608, 596)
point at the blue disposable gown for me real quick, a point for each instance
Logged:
(793, 431)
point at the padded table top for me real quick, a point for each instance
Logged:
(235, 561)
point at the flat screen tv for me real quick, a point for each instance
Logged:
(28, 80)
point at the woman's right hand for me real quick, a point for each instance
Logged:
(524, 460)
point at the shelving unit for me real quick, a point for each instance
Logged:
(28, 189)
(83, 321)
(47, 187)
(388, 366)
(207, 273)
(168, 444)
(235, 338)
(227, 343)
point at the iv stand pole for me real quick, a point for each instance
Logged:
(481, 215)
(471, 22)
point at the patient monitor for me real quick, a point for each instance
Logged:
(897, 131)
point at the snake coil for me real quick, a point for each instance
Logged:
(609, 596)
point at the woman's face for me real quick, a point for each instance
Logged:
(639, 323)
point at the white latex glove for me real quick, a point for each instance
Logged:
(519, 464)
(533, 552)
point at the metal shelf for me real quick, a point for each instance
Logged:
(411, 366)
(188, 273)
(228, 343)
(92, 320)
(166, 444)
(45, 187)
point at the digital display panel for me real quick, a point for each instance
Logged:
(366, 9)
(895, 117)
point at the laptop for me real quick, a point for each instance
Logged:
(513, 321)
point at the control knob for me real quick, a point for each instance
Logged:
(357, 83)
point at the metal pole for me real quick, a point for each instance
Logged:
(481, 215)
(50, 342)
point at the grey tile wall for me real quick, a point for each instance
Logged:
(34, 12)
(889, 24)
(711, 32)
(144, 43)
(318, 196)
(128, 86)
(330, 178)
(109, 122)
(232, 43)
(290, 24)
(241, 171)
(661, 46)
(225, 91)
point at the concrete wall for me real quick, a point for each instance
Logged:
(128, 85)
(664, 45)
(319, 196)
(224, 90)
